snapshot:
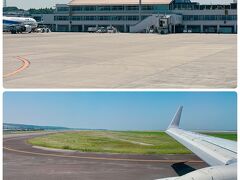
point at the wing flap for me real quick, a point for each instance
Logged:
(214, 151)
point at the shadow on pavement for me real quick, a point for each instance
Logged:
(182, 168)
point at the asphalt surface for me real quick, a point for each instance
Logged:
(23, 162)
(88, 60)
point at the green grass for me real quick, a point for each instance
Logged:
(112, 142)
(129, 142)
(229, 136)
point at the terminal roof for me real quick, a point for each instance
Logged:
(109, 2)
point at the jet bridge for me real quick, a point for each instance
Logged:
(158, 23)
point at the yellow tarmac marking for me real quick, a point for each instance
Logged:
(25, 64)
(100, 158)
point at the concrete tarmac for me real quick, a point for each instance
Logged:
(23, 162)
(85, 60)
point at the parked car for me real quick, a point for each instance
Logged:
(111, 29)
(101, 30)
(92, 29)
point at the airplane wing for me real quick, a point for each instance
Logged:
(219, 153)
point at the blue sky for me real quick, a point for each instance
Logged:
(122, 110)
(26, 4)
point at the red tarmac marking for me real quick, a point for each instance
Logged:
(25, 64)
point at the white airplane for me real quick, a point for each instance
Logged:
(19, 24)
(219, 154)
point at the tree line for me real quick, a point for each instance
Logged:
(30, 11)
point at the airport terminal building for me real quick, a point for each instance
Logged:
(176, 16)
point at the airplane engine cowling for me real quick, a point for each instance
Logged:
(228, 172)
(27, 28)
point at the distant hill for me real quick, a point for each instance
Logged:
(24, 127)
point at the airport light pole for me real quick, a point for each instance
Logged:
(70, 18)
(5, 3)
(140, 10)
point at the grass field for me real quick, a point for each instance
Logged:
(130, 142)
(230, 136)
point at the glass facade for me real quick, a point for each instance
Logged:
(210, 29)
(196, 6)
(61, 18)
(132, 8)
(113, 8)
(209, 17)
(194, 28)
(98, 18)
(63, 28)
(226, 29)
(76, 28)
(62, 9)
(136, 18)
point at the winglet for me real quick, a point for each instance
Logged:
(176, 119)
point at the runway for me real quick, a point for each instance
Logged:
(88, 60)
(21, 161)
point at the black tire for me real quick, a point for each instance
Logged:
(13, 32)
